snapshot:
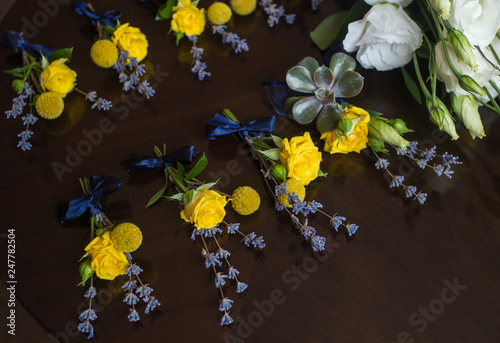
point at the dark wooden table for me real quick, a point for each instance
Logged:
(412, 273)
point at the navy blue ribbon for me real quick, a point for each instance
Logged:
(107, 19)
(99, 186)
(139, 163)
(16, 40)
(220, 126)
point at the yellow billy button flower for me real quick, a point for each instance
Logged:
(243, 7)
(58, 77)
(131, 39)
(127, 237)
(104, 53)
(219, 13)
(49, 105)
(188, 18)
(246, 200)
(106, 261)
(355, 138)
(292, 186)
(301, 158)
(205, 210)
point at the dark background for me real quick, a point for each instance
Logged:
(375, 287)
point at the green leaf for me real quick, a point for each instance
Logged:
(45, 62)
(300, 79)
(207, 185)
(322, 173)
(160, 193)
(178, 37)
(412, 86)
(198, 168)
(326, 32)
(177, 197)
(349, 85)
(188, 196)
(306, 110)
(340, 63)
(374, 114)
(181, 170)
(278, 141)
(328, 118)
(165, 10)
(60, 53)
(309, 63)
(273, 154)
(17, 70)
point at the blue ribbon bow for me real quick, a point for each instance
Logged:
(139, 163)
(16, 40)
(220, 126)
(107, 19)
(99, 186)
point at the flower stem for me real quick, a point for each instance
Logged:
(230, 115)
(177, 179)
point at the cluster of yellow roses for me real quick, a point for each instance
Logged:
(107, 251)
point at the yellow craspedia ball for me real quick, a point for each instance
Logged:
(127, 237)
(219, 13)
(292, 186)
(243, 7)
(49, 105)
(246, 200)
(104, 53)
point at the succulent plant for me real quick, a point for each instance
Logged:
(325, 84)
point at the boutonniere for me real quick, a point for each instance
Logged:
(204, 208)
(42, 83)
(119, 46)
(288, 165)
(109, 253)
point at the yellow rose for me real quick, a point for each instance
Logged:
(356, 139)
(107, 261)
(188, 18)
(301, 158)
(131, 39)
(206, 210)
(58, 78)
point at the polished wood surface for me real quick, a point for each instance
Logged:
(411, 274)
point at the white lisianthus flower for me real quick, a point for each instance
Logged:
(385, 38)
(465, 108)
(482, 75)
(403, 3)
(476, 19)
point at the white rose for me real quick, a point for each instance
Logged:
(386, 38)
(482, 75)
(403, 3)
(477, 19)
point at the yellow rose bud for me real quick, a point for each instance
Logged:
(58, 78)
(188, 19)
(131, 39)
(301, 158)
(385, 132)
(106, 261)
(49, 105)
(354, 140)
(465, 108)
(243, 7)
(219, 13)
(279, 171)
(206, 210)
